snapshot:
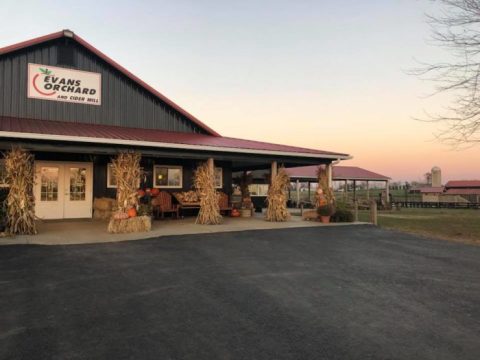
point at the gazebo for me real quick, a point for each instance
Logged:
(346, 174)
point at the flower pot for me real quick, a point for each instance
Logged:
(245, 212)
(325, 219)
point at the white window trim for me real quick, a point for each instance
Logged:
(109, 169)
(169, 167)
(221, 178)
(3, 184)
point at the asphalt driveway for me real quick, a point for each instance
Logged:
(354, 292)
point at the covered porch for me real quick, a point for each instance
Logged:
(88, 231)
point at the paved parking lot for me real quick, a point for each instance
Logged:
(310, 293)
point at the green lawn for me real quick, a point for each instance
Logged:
(450, 224)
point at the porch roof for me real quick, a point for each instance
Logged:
(309, 173)
(34, 129)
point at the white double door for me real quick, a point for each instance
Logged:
(63, 190)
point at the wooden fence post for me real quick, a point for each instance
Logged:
(373, 212)
(355, 211)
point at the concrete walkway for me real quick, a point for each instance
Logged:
(70, 232)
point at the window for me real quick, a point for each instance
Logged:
(218, 177)
(3, 174)
(167, 176)
(111, 181)
(258, 189)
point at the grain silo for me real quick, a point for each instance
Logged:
(436, 177)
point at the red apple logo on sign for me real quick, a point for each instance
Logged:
(43, 72)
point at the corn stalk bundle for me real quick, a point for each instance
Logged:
(127, 172)
(20, 200)
(277, 197)
(327, 191)
(204, 181)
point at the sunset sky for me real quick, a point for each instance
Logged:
(330, 75)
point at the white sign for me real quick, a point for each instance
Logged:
(61, 84)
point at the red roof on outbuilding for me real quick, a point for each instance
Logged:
(68, 131)
(463, 184)
(463, 192)
(339, 173)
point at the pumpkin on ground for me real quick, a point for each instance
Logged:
(132, 212)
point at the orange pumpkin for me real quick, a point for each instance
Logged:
(148, 190)
(132, 212)
(235, 213)
(154, 192)
(140, 193)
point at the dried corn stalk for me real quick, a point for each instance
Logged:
(127, 172)
(327, 191)
(277, 197)
(205, 184)
(20, 201)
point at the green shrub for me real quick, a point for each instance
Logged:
(326, 210)
(342, 215)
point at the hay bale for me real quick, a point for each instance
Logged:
(103, 204)
(277, 197)
(102, 214)
(309, 215)
(130, 225)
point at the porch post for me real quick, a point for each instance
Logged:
(309, 191)
(345, 191)
(329, 171)
(211, 165)
(387, 190)
(273, 171)
(354, 190)
(298, 193)
(368, 190)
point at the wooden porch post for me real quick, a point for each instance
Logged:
(309, 191)
(345, 191)
(273, 171)
(298, 193)
(368, 190)
(329, 170)
(354, 190)
(387, 190)
(211, 165)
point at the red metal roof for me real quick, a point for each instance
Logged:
(431, 189)
(463, 184)
(111, 62)
(463, 192)
(339, 173)
(68, 131)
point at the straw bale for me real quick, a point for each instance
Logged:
(130, 225)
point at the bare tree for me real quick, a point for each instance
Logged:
(457, 29)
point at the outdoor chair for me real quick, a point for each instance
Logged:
(223, 203)
(163, 204)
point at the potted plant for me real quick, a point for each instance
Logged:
(325, 212)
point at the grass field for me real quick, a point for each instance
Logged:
(449, 224)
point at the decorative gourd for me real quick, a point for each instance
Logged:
(132, 212)
(235, 213)
(154, 192)
(148, 190)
